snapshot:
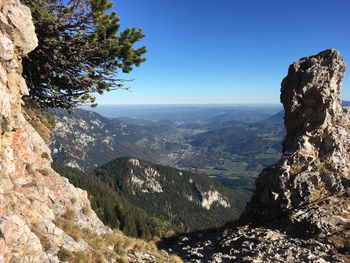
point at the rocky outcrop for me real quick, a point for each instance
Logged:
(43, 218)
(309, 186)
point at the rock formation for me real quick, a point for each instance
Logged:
(43, 218)
(309, 187)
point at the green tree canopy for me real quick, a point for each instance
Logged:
(81, 51)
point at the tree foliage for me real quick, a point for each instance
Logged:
(81, 51)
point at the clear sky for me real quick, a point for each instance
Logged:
(227, 51)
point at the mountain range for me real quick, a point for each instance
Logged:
(204, 144)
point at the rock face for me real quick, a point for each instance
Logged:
(309, 186)
(43, 218)
(85, 140)
(32, 195)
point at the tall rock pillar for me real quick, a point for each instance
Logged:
(309, 186)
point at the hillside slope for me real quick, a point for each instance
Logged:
(233, 152)
(85, 139)
(181, 197)
(114, 210)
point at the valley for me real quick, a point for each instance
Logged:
(230, 144)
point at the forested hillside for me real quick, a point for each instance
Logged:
(113, 209)
(180, 197)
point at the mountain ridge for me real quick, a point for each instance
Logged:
(179, 196)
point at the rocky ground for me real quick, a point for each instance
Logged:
(249, 244)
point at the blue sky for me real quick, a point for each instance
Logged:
(226, 51)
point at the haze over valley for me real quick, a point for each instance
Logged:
(229, 143)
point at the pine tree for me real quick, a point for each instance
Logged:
(81, 51)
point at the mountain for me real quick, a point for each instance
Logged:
(114, 210)
(299, 211)
(189, 113)
(84, 139)
(275, 119)
(178, 196)
(236, 154)
(345, 103)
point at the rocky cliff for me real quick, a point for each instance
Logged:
(300, 211)
(309, 187)
(43, 218)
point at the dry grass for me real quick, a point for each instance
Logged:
(315, 196)
(44, 240)
(44, 172)
(296, 168)
(86, 210)
(43, 123)
(176, 259)
(113, 245)
(69, 215)
(75, 256)
(169, 234)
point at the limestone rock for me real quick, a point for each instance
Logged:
(16, 23)
(309, 186)
(6, 48)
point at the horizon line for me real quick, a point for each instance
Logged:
(185, 104)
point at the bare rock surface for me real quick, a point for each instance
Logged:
(310, 185)
(43, 218)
